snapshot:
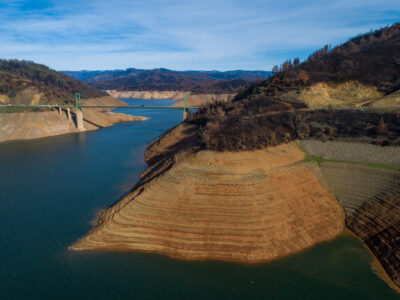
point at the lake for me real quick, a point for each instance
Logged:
(52, 189)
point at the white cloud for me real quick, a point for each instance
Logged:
(183, 34)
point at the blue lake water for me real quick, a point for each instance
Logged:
(51, 190)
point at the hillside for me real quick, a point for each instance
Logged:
(23, 82)
(362, 72)
(233, 181)
(251, 206)
(209, 205)
(359, 72)
(214, 82)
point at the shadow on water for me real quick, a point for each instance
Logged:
(50, 190)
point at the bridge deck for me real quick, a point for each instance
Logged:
(94, 106)
(364, 108)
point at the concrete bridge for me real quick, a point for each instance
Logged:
(78, 107)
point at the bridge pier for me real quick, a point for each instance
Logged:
(184, 106)
(79, 119)
(59, 110)
(69, 114)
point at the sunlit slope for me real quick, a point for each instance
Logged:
(359, 72)
(248, 206)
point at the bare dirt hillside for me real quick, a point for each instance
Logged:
(247, 206)
(31, 125)
(371, 199)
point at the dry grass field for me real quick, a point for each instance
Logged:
(352, 151)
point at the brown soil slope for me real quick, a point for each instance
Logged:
(371, 199)
(31, 125)
(248, 206)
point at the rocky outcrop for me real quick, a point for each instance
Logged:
(247, 206)
(32, 125)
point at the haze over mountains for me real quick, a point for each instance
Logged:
(168, 80)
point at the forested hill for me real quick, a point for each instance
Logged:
(365, 71)
(371, 59)
(168, 80)
(26, 82)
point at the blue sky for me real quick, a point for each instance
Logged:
(181, 35)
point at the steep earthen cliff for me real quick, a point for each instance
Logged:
(247, 206)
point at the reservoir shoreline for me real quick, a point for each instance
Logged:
(201, 232)
(95, 168)
(34, 125)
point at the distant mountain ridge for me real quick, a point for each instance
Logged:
(168, 80)
(25, 82)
